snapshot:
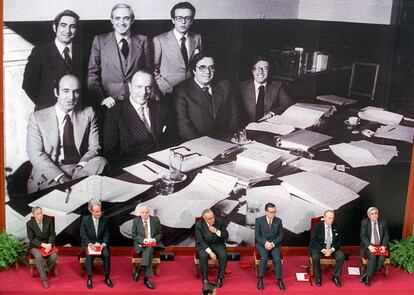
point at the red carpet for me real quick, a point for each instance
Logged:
(177, 278)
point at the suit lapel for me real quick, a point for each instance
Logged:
(111, 51)
(56, 60)
(136, 45)
(132, 120)
(217, 98)
(51, 124)
(174, 47)
(154, 118)
(251, 99)
(270, 94)
(192, 43)
(79, 127)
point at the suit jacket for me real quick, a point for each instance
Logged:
(106, 74)
(276, 100)
(88, 234)
(205, 238)
(125, 135)
(317, 241)
(43, 143)
(169, 60)
(45, 65)
(264, 234)
(193, 115)
(138, 233)
(366, 232)
(36, 237)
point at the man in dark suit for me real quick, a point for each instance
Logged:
(115, 57)
(41, 234)
(269, 235)
(48, 62)
(175, 49)
(134, 127)
(374, 232)
(326, 241)
(211, 235)
(63, 140)
(94, 232)
(146, 230)
(204, 106)
(261, 96)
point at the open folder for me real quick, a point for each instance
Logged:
(303, 140)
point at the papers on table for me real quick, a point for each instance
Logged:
(380, 116)
(364, 153)
(208, 147)
(240, 234)
(294, 212)
(55, 202)
(258, 159)
(303, 140)
(306, 164)
(336, 100)
(144, 171)
(270, 127)
(396, 132)
(16, 223)
(318, 190)
(244, 174)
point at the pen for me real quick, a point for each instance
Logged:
(287, 162)
(150, 169)
(68, 191)
(391, 129)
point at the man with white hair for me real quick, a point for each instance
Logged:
(147, 233)
(374, 237)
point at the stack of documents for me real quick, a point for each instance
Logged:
(270, 127)
(244, 174)
(336, 100)
(303, 140)
(396, 132)
(208, 147)
(380, 116)
(300, 116)
(147, 171)
(364, 153)
(263, 161)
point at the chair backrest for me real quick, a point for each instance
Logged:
(363, 80)
(197, 219)
(315, 220)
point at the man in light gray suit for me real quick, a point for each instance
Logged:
(174, 50)
(115, 57)
(63, 140)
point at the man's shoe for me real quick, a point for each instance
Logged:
(318, 282)
(89, 284)
(148, 284)
(260, 284)
(108, 282)
(219, 282)
(281, 285)
(363, 277)
(367, 282)
(336, 281)
(45, 283)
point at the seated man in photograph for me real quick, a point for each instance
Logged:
(269, 235)
(262, 96)
(325, 242)
(135, 126)
(41, 236)
(94, 233)
(63, 140)
(374, 233)
(146, 233)
(211, 235)
(203, 105)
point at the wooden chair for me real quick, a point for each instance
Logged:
(82, 261)
(364, 261)
(32, 261)
(325, 261)
(256, 255)
(211, 262)
(156, 261)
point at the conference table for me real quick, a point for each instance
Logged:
(387, 190)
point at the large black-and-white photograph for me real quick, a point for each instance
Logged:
(178, 107)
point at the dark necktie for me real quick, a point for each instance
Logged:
(376, 235)
(270, 224)
(68, 60)
(208, 95)
(69, 148)
(260, 103)
(184, 51)
(124, 48)
(146, 229)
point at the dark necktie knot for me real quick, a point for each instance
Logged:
(68, 60)
(124, 48)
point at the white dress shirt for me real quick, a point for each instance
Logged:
(61, 47)
(178, 36)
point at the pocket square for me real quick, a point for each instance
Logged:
(196, 51)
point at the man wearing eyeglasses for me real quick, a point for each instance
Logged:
(269, 235)
(261, 96)
(174, 50)
(374, 238)
(204, 105)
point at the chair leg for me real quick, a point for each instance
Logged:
(196, 270)
(386, 270)
(32, 270)
(157, 269)
(55, 270)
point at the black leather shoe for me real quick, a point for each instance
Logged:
(363, 277)
(89, 284)
(281, 285)
(219, 282)
(367, 282)
(260, 284)
(318, 282)
(336, 281)
(148, 284)
(108, 282)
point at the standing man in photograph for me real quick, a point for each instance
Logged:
(48, 62)
(174, 50)
(115, 57)
(269, 235)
